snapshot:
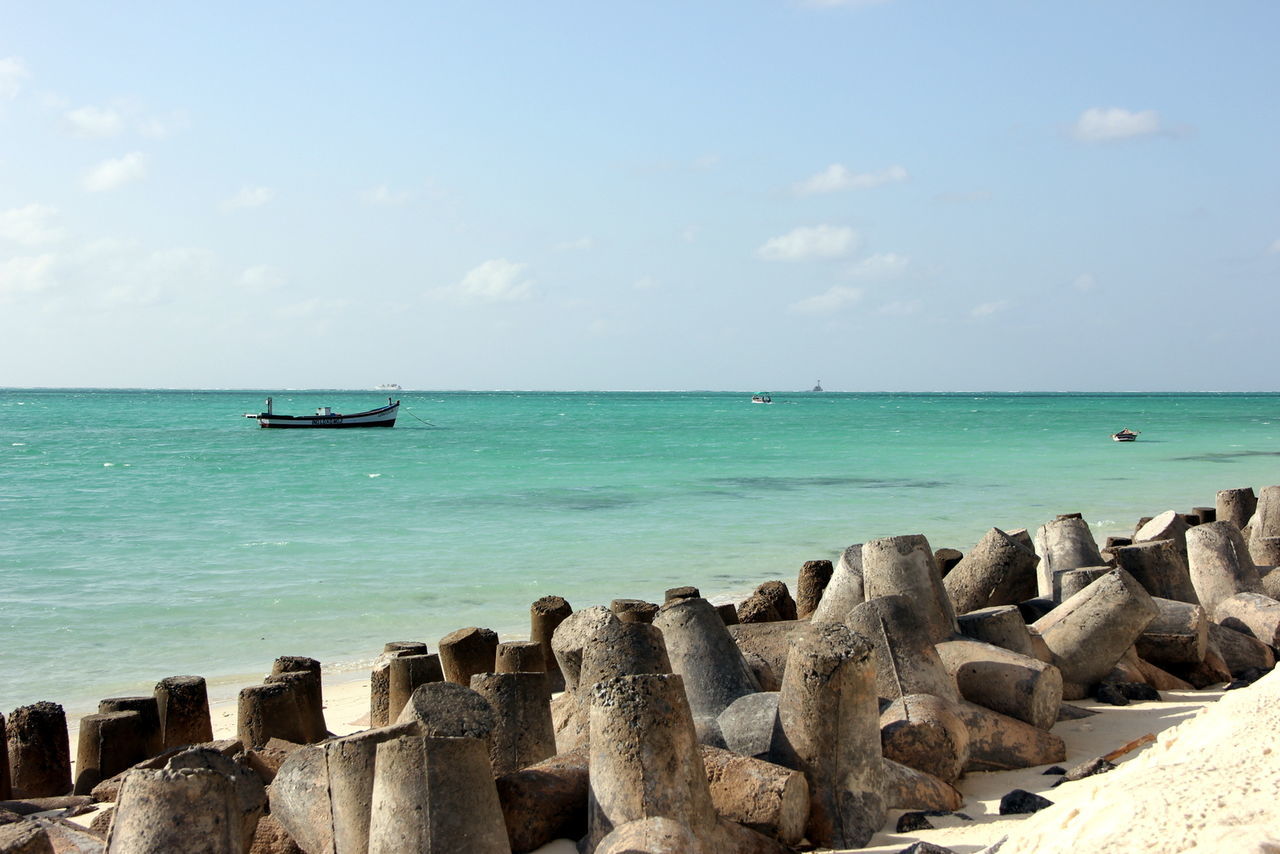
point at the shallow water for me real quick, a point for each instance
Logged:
(147, 534)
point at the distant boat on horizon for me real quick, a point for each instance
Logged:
(817, 386)
(761, 398)
(388, 387)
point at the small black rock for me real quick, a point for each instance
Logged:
(1054, 769)
(1247, 678)
(1139, 691)
(910, 822)
(1088, 769)
(926, 848)
(1109, 692)
(1020, 801)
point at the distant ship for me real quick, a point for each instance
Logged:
(387, 387)
(818, 386)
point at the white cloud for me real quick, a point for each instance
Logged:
(883, 265)
(249, 197)
(1274, 248)
(497, 280)
(160, 275)
(1098, 124)
(987, 309)
(834, 299)
(113, 174)
(820, 241)
(12, 73)
(689, 234)
(262, 278)
(646, 283)
(1084, 282)
(26, 274)
(384, 195)
(94, 121)
(837, 177)
(30, 225)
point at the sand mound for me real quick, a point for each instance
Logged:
(1210, 784)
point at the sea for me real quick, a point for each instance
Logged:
(146, 533)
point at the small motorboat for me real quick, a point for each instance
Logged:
(383, 416)
(388, 387)
(1125, 435)
(761, 398)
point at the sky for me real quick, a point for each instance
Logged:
(894, 195)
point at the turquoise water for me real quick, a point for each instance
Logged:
(146, 534)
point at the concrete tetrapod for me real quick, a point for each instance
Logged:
(310, 691)
(768, 798)
(904, 565)
(545, 801)
(656, 835)
(435, 795)
(811, 583)
(183, 703)
(1169, 525)
(1064, 543)
(193, 810)
(906, 661)
(1001, 626)
(1160, 566)
(996, 571)
(108, 744)
(1016, 685)
(925, 732)
(39, 751)
(829, 715)
(466, 652)
(322, 794)
(769, 642)
(703, 653)
(844, 590)
(1219, 563)
(1069, 582)
(380, 679)
(1266, 516)
(149, 718)
(1252, 614)
(267, 711)
(249, 796)
(1088, 633)
(447, 709)
(521, 703)
(616, 649)
(572, 634)
(520, 657)
(24, 837)
(545, 615)
(407, 673)
(1178, 635)
(6, 783)
(1236, 506)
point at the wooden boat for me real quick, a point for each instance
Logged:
(1125, 435)
(383, 416)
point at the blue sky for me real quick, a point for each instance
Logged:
(892, 195)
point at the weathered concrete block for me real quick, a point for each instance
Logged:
(1169, 525)
(926, 733)
(769, 602)
(906, 661)
(1236, 506)
(763, 796)
(191, 810)
(309, 691)
(1019, 686)
(267, 711)
(1089, 632)
(904, 566)
(323, 793)
(108, 744)
(844, 590)
(907, 788)
(749, 727)
(39, 751)
(634, 610)
(996, 571)
(466, 652)
(450, 710)
(1001, 743)
(769, 641)
(183, 702)
(545, 801)
(520, 657)
(545, 615)
(570, 636)
(1178, 635)
(655, 835)
(24, 837)
(829, 716)
(1000, 626)
(380, 679)
(407, 673)
(811, 583)
(1069, 582)
(1252, 614)
(1240, 652)
(1064, 543)
(1219, 563)
(1160, 566)
(523, 733)
(149, 718)
(705, 655)
(435, 795)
